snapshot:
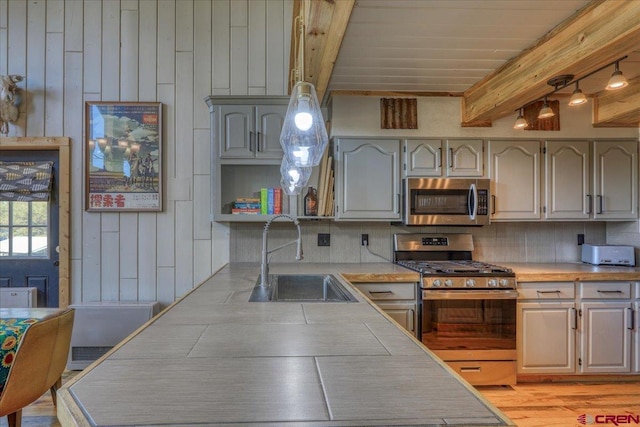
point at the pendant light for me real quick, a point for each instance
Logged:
(293, 177)
(545, 111)
(577, 98)
(304, 135)
(617, 80)
(521, 122)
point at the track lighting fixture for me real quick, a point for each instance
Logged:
(617, 80)
(521, 122)
(545, 111)
(577, 98)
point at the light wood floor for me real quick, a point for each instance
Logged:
(527, 404)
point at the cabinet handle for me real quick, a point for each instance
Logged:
(399, 202)
(574, 313)
(548, 292)
(589, 204)
(440, 149)
(470, 369)
(259, 142)
(251, 141)
(450, 158)
(631, 319)
(617, 291)
(411, 323)
(493, 204)
(381, 292)
(599, 198)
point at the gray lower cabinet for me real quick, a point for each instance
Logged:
(605, 335)
(636, 330)
(547, 322)
(398, 300)
(367, 179)
(561, 331)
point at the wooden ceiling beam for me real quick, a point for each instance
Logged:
(619, 108)
(325, 24)
(598, 34)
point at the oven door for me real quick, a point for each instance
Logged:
(470, 324)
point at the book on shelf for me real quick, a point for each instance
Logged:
(277, 200)
(263, 201)
(246, 205)
(245, 211)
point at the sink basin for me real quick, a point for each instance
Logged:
(301, 288)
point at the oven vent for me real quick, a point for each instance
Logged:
(83, 354)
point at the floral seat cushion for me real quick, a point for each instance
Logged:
(11, 331)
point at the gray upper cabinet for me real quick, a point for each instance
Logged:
(250, 131)
(567, 180)
(615, 179)
(450, 158)
(515, 176)
(367, 179)
(591, 180)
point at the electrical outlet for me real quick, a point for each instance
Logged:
(580, 239)
(365, 240)
(324, 239)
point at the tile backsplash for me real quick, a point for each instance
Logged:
(498, 242)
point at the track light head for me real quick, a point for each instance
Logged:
(546, 111)
(577, 98)
(617, 80)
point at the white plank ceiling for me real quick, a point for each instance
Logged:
(447, 45)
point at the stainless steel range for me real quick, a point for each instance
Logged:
(467, 314)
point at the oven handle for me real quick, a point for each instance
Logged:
(469, 294)
(472, 202)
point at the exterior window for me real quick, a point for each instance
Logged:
(24, 229)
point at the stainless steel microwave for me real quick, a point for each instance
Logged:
(446, 201)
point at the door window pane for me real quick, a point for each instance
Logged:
(24, 229)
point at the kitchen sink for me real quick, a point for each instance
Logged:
(301, 288)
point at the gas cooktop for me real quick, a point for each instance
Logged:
(462, 268)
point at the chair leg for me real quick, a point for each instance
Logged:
(15, 419)
(54, 389)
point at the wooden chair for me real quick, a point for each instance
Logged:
(38, 365)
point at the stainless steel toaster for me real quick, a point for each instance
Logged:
(608, 255)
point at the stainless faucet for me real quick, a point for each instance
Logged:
(264, 267)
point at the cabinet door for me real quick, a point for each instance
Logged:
(464, 157)
(615, 179)
(515, 172)
(636, 334)
(423, 157)
(605, 337)
(367, 179)
(567, 177)
(236, 131)
(403, 313)
(546, 337)
(269, 121)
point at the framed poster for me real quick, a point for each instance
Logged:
(123, 156)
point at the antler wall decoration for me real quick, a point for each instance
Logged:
(9, 101)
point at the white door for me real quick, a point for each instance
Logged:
(236, 131)
(615, 179)
(546, 337)
(567, 177)
(269, 122)
(515, 172)
(423, 157)
(605, 337)
(465, 158)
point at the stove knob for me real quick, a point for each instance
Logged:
(504, 282)
(448, 282)
(470, 283)
(436, 283)
(492, 283)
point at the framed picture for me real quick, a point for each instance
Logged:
(123, 156)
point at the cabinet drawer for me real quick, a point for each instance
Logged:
(388, 291)
(18, 297)
(605, 290)
(486, 372)
(546, 290)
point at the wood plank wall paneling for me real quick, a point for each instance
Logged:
(173, 51)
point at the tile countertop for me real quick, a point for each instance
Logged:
(212, 358)
(548, 272)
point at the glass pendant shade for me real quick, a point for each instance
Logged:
(289, 188)
(577, 98)
(294, 175)
(304, 135)
(617, 80)
(521, 122)
(545, 111)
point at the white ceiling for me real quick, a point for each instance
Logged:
(447, 45)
